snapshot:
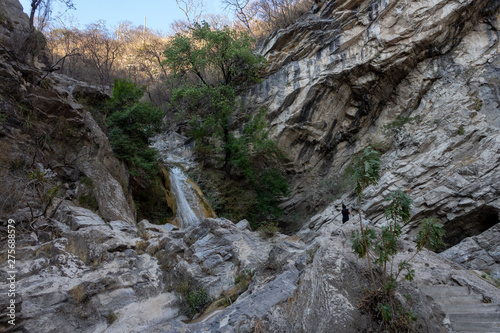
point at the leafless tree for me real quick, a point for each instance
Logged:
(179, 27)
(100, 49)
(217, 21)
(42, 10)
(238, 6)
(193, 9)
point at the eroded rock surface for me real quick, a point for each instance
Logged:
(90, 273)
(342, 72)
(47, 127)
(481, 252)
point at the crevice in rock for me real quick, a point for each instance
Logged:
(470, 224)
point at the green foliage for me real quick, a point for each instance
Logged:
(394, 127)
(461, 130)
(131, 124)
(125, 93)
(208, 65)
(193, 300)
(362, 242)
(398, 210)
(365, 169)
(212, 55)
(381, 301)
(478, 104)
(29, 116)
(430, 235)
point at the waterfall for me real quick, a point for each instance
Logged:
(190, 206)
(187, 201)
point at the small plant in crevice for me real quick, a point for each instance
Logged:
(111, 317)
(312, 251)
(141, 246)
(3, 117)
(193, 300)
(28, 115)
(269, 230)
(242, 280)
(478, 103)
(397, 130)
(461, 130)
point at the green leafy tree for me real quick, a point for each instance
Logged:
(208, 64)
(208, 67)
(213, 56)
(365, 171)
(131, 124)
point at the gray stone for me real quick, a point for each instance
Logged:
(243, 225)
(78, 217)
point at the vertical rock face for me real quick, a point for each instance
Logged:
(348, 68)
(44, 125)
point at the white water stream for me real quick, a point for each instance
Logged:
(188, 210)
(177, 156)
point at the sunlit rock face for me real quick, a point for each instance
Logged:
(348, 68)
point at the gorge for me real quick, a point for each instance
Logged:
(417, 80)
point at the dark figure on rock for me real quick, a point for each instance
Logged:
(345, 214)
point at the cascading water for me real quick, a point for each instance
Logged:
(187, 201)
(191, 207)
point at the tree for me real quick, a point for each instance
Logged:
(131, 124)
(365, 170)
(207, 67)
(44, 10)
(381, 301)
(100, 49)
(193, 9)
(209, 63)
(238, 6)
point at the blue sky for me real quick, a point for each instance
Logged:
(159, 13)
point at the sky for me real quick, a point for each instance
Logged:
(159, 13)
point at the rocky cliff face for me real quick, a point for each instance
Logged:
(350, 67)
(45, 133)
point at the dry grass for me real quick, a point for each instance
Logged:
(78, 294)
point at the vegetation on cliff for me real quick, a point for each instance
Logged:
(208, 66)
(381, 247)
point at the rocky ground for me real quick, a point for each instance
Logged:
(96, 276)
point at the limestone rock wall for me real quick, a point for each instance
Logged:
(44, 127)
(348, 68)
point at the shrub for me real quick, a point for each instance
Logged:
(461, 130)
(268, 230)
(125, 93)
(111, 317)
(193, 300)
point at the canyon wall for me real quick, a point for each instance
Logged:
(347, 69)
